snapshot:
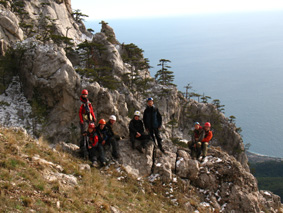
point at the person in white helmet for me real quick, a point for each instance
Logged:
(113, 137)
(137, 132)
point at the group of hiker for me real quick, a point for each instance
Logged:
(96, 139)
(200, 139)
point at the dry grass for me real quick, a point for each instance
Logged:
(23, 187)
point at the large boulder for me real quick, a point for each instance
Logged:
(9, 26)
(139, 165)
(186, 167)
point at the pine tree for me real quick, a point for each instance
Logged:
(232, 119)
(46, 28)
(219, 107)
(133, 56)
(187, 94)
(91, 54)
(164, 76)
(205, 98)
(10, 65)
(193, 94)
(95, 68)
(78, 15)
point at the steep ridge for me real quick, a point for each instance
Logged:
(48, 77)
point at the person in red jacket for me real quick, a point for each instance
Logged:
(203, 145)
(86, 115)
(92, 144)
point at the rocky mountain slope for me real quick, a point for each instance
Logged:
(37, 176)
(50, 43)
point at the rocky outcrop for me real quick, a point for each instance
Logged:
(56, 86)
(9, 26)
(221, 180)
(225, 135)
(19, 21)
(109, 32)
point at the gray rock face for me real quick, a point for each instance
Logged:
(35, 12)
(270, 200)
(54, 85)
(136, 164)
(57, 86)
(109, 32)
(9, 26)
(186, 167)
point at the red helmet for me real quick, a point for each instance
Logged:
(207, 124)
(84, 92)
(102, 121)
(91, 126)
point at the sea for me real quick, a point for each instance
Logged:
(236, 58)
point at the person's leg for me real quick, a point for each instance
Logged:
(194, 153)
(190, 145)
(84, 128)
(114, 144)
(191, 148)
(204, 149)
(151, 134)
(158, 138)
(117, 137)
(198, 149)
(144, 139)
(132, 139)
(101, 154)
(139, 147)
(92, 154)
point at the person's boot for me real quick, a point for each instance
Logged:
(133, 145)
(198, 157)
(95, 164)
(202, 159)
(103, 164)
(116, 156)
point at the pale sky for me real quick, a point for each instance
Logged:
(119, 9)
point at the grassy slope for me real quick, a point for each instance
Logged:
(22, 186)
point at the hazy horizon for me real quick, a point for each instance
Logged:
(101, 10)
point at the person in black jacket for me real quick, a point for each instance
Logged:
(153, 121)
(197, 136)
(113, 138)
(137, 132)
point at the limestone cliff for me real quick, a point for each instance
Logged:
(49, 35)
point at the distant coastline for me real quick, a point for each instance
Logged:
(258, 158)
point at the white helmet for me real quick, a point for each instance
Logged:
(112, 117)
(137, 113)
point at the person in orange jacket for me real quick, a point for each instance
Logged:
(203, 145)
(103, 136)
(86, 115)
